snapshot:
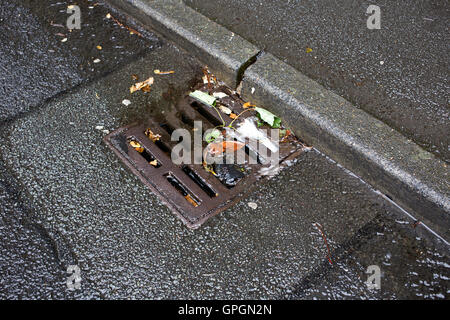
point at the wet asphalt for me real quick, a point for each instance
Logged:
(399, 74)
(66, 199)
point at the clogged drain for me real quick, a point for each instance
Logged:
(198, 190)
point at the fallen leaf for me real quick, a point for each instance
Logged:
(144, 85)
(220, 95)
(163, 72)
(225, 146)
(152, 136)
(203, 97)
(225, 109)
(248, 105)
(137, 146)
(268, 117)
(190, 200)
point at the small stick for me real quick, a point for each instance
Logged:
(325, 240)
(124, 26)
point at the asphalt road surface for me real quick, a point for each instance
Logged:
(66, 199)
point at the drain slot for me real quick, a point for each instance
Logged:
(182, 189)
(201, 109)
(200, 182)
(143, 152)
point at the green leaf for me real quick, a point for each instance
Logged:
(203, 97)
(213, 135)
(276, 123)
(268, 117)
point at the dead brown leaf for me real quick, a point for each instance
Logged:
(143, 85)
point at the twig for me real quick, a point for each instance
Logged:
(124, 26)
(325, 240)
(239, 116)
(206, 73)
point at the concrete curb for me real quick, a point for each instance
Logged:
(411, 176)
(224, 52)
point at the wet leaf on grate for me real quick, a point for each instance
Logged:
(225, 146)
(220, 95)
(203, 97)
(137, 146)
(225, 109)
(233, 115)
(152, 136)
(248, 105)
(268, 117)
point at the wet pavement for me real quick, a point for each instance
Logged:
(36, 64)
(399, 73)
(67, 199)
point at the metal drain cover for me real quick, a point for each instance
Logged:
(190, 191)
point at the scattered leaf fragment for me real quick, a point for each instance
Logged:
(137, 146)
(190, 200)
(144, 85)
(248, 105)
(252, 205)
(163, 72)
(203, 97)
(152, 136)
(225, 146)
(219, 95)
(225, 109)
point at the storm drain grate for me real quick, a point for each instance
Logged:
(190, 191)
